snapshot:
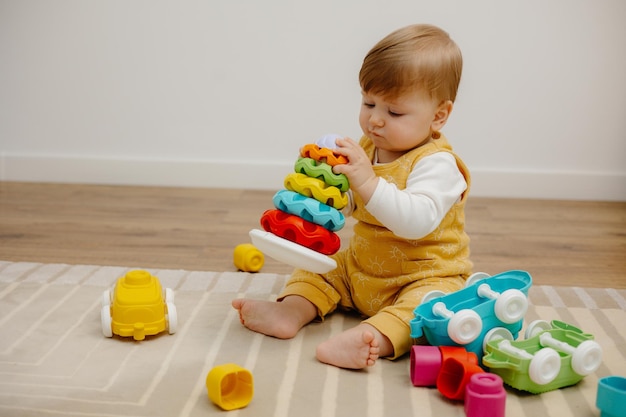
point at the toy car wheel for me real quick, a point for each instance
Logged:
(105, 319)
(465, 326)
(587, 358)
(431, 295)
(106, 298)
(171, 318)
(497, 333)
(169, 295)
(535, 327)
(511, 306)
(544, 366)
(475, 277)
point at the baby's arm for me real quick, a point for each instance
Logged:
(433, 187)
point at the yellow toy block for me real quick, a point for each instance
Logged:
(230, 386)
(248, 258)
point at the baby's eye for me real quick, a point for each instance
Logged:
(394, 114)
(368, 105)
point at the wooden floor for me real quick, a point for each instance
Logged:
(558, 242)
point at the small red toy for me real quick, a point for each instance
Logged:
(426, 362)
(300, 231)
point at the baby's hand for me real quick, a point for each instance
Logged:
(358, 169)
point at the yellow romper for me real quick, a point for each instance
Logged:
(384, 277)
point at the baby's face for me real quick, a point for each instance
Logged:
(397, 125)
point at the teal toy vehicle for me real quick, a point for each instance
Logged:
(491, 306)
(553, 355)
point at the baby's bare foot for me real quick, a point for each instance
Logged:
(278, 319)
(356, 348)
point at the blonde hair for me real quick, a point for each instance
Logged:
(414, 57)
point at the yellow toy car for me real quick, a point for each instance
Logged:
(138, 306)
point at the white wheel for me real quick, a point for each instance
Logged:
(169, 295)
(497, 333)
(171, 318)
(106, 298)
(105, 319)
(587, 358)
(535, 327)
(475, 277)
(544, 366)
(431, 295)
(511, 306)
(465, 326)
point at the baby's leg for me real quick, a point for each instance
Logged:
(355, 348)
(279, 319)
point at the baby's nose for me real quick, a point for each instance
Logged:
(376, 120)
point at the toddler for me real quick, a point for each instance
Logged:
(407, 192)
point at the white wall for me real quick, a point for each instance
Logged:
(224, 92)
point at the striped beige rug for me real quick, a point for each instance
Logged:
(54, 359)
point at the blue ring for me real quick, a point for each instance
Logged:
(309, 209)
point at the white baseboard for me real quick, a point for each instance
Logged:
(555, 185)
(150, 172)
(269, 176)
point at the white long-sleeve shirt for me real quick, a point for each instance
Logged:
(432, 188)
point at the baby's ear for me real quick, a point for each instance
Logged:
(441, 115)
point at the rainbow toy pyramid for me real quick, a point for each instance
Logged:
(300, 230)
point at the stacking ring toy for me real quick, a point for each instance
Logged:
(291, 253)
(328, 141)
(300, 231)
(309, 209)
(322, 155)
(315, 169)
(317, 189)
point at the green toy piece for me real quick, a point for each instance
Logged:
(556, 355)
(312, 168)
